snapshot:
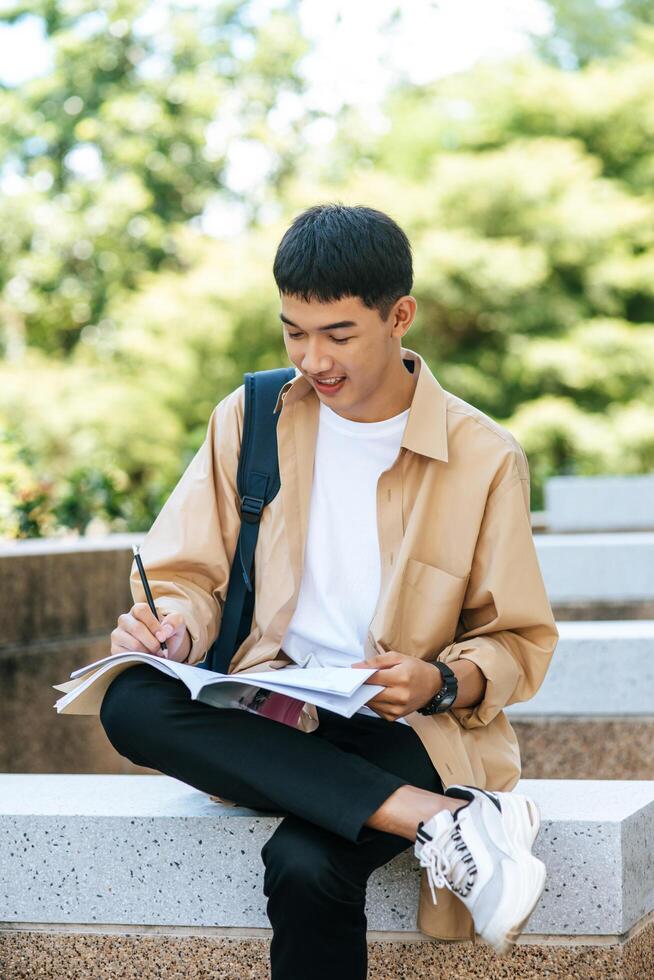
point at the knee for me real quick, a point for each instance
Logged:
(303, 865)
(122, 707)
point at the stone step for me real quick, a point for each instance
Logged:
(593, 716)
(146, 873)
(598, 669)
(150, 850)
(600, 503)
(84, 584)
(596, 568)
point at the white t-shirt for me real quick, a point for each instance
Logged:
(342, 573)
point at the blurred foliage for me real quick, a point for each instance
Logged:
(125, 139)
(526, 190)
(585, 30)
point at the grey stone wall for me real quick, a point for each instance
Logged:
(59, 601)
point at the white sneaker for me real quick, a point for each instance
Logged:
(482, 853)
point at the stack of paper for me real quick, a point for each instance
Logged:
(339, 689)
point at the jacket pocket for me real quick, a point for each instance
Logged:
(429, 607)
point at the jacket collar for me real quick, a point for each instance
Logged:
(426, 428)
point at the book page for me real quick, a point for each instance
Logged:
(86, 697)
(329, 680)
(342, 704)
(338, 689)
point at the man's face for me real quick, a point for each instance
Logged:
(362, 351)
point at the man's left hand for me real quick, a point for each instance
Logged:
(408, 681)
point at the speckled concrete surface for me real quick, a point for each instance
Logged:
(134, 851)
(26, 955)
(588, 749)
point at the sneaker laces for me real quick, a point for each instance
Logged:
(448, 861)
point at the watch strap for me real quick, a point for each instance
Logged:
(446, 695)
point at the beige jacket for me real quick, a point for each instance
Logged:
(460, 576)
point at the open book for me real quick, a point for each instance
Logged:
(339, 689)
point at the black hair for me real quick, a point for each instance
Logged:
(336, 250)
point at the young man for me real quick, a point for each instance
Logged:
(400, 539)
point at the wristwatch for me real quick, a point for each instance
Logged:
(446, 694)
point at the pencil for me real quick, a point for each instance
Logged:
(146, 588)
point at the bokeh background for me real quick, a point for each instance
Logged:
(153, 153)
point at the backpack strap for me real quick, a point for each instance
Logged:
(258, 483)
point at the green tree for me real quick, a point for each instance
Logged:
(527, 193)
(585, 30)
(125, 139)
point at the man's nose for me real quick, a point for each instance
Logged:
(314, 362)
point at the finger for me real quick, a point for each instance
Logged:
(384, 704)
(385, 715)
(171, 624)
(142, 612)
(144, 636)
(122, 641)
(381, 701)
(176, 620)
(385, 675)
(130, 649)
(379, 664)
(164, 632)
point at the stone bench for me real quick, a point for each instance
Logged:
(600, 503)
(83, 585)
(136, 868)
(593, 716)
(599, 669)
(598, 576)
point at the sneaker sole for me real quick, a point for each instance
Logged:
(515, 931)
(524, 876)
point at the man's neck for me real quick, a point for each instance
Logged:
(401, 386)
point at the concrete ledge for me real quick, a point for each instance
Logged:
(62, 589)
(152, 851)
(83, 584)
(598, 669)
(600, 503)
(609, 567)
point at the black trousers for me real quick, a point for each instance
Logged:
(326, 783)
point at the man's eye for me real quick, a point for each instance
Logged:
(336, 341)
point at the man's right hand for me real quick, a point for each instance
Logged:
(139, 631)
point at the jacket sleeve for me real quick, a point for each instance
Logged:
(510, 631)
(188, 551)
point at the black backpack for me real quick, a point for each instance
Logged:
(258, 483)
